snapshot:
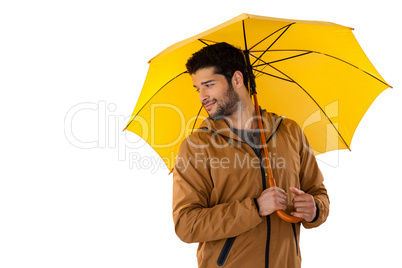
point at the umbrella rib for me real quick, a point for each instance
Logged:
(311, 97)
(268, 63)
(271, 35)
(192, 130)
(203, 42)
(316, 52)
(153, 96)
(290, 80)
(288, 58)
(287, 28)
(354, 67)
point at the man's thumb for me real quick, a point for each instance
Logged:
(296, 191)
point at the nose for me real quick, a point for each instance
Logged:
(203, 96)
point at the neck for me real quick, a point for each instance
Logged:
(244, 116)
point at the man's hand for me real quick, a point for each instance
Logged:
(304, 205)
(270, 200)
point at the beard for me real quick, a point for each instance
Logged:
(228, 105)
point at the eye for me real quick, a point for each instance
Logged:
(197, 90)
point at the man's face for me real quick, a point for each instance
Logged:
(216, 95)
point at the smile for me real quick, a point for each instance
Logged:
(208, 105)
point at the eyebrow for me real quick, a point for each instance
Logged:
(206, 82)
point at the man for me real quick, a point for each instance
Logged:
(220, 194)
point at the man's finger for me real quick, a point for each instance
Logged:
(296, 191)
(302, 198)
(274, 188)
(298, 214)
(303, 210)
(301, 204)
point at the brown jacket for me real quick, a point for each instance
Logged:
(217, 178)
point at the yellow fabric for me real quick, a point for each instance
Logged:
(314, 67)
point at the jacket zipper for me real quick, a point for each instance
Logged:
(225, 251)
(264, 186)
(268, 218)
(229, 242)
(295, 235)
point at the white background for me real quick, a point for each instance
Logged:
(70, 74)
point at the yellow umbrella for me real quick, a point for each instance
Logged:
(312, 72)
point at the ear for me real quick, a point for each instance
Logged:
(237, 79)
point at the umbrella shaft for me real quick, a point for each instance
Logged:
(251, 77)
(271, 180)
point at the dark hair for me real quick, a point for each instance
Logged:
(225, 58)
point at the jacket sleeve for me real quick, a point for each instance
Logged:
(194, 218)
(312, 182)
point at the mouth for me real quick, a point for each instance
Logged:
(209, 105)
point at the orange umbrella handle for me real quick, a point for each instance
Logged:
(282, 214)
(287, 217)
(271, 180)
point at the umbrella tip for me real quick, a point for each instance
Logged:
(171, 171)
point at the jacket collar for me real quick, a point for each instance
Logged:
(270, 121)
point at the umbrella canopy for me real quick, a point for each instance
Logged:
(312, 72)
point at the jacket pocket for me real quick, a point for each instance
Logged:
(295, 235)
(225, 251)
